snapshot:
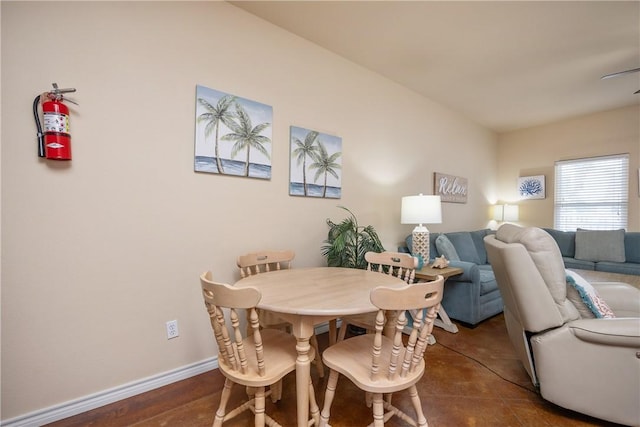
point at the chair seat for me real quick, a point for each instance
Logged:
(348, 357)
(279, 348)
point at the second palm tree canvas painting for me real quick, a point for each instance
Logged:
(316, 164)
(233, 135)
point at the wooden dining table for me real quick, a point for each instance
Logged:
(306, 297)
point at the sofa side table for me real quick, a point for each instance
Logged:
(429, 273)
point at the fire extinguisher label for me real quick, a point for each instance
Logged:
(56, 122)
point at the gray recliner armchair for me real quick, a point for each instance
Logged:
(580, 362)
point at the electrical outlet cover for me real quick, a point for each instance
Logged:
(172, 329)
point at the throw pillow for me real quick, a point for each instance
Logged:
(600, 245)
(446, 248)
(588, 297)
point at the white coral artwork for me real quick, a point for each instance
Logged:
(531, 187)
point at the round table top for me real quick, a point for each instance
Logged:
(318, 291)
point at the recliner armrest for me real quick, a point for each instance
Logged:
(619, 332)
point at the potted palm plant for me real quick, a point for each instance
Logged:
(347, 242)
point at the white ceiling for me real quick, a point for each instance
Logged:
(504, 64)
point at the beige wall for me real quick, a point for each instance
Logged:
(99, 253)
(533, 151)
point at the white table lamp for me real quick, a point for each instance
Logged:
(505, 213)
(498, 212)
(421, 209)
(511, 212)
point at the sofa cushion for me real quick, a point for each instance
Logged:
(409, 242)
(566, 241)
(433, 251)
(446, 248)
(586, 298)
(632, 246)
(464, 245)
(478, 240)
(618, 267)
(600, 245)
(578, 264)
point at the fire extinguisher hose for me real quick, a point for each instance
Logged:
(36, 115)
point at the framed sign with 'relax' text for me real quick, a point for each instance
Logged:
(450, 188)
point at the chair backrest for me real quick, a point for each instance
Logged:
(264, 261)
(529, 270)
(399, 264)
(231, 348)
(422, 298)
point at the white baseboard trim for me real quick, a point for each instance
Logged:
(87, 403)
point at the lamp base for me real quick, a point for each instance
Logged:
(420, 243)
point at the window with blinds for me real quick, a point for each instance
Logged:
(592, 193)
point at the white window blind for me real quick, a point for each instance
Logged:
(592, 193)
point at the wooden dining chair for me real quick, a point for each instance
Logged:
(261, 359)
(263, 262)
(381, 365)
(401, 265)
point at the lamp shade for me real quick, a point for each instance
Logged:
(511, 212)
(421, 209)
(498, 212)
(505, 212)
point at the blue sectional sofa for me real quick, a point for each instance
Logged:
(613, 251)
(472, 296)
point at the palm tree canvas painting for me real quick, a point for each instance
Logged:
(315, 164)
(233, 135)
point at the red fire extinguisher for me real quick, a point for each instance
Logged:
(55, 141)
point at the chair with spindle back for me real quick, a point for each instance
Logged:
(401, 265)
(264, 262)
(382, 365)
(261, 359)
